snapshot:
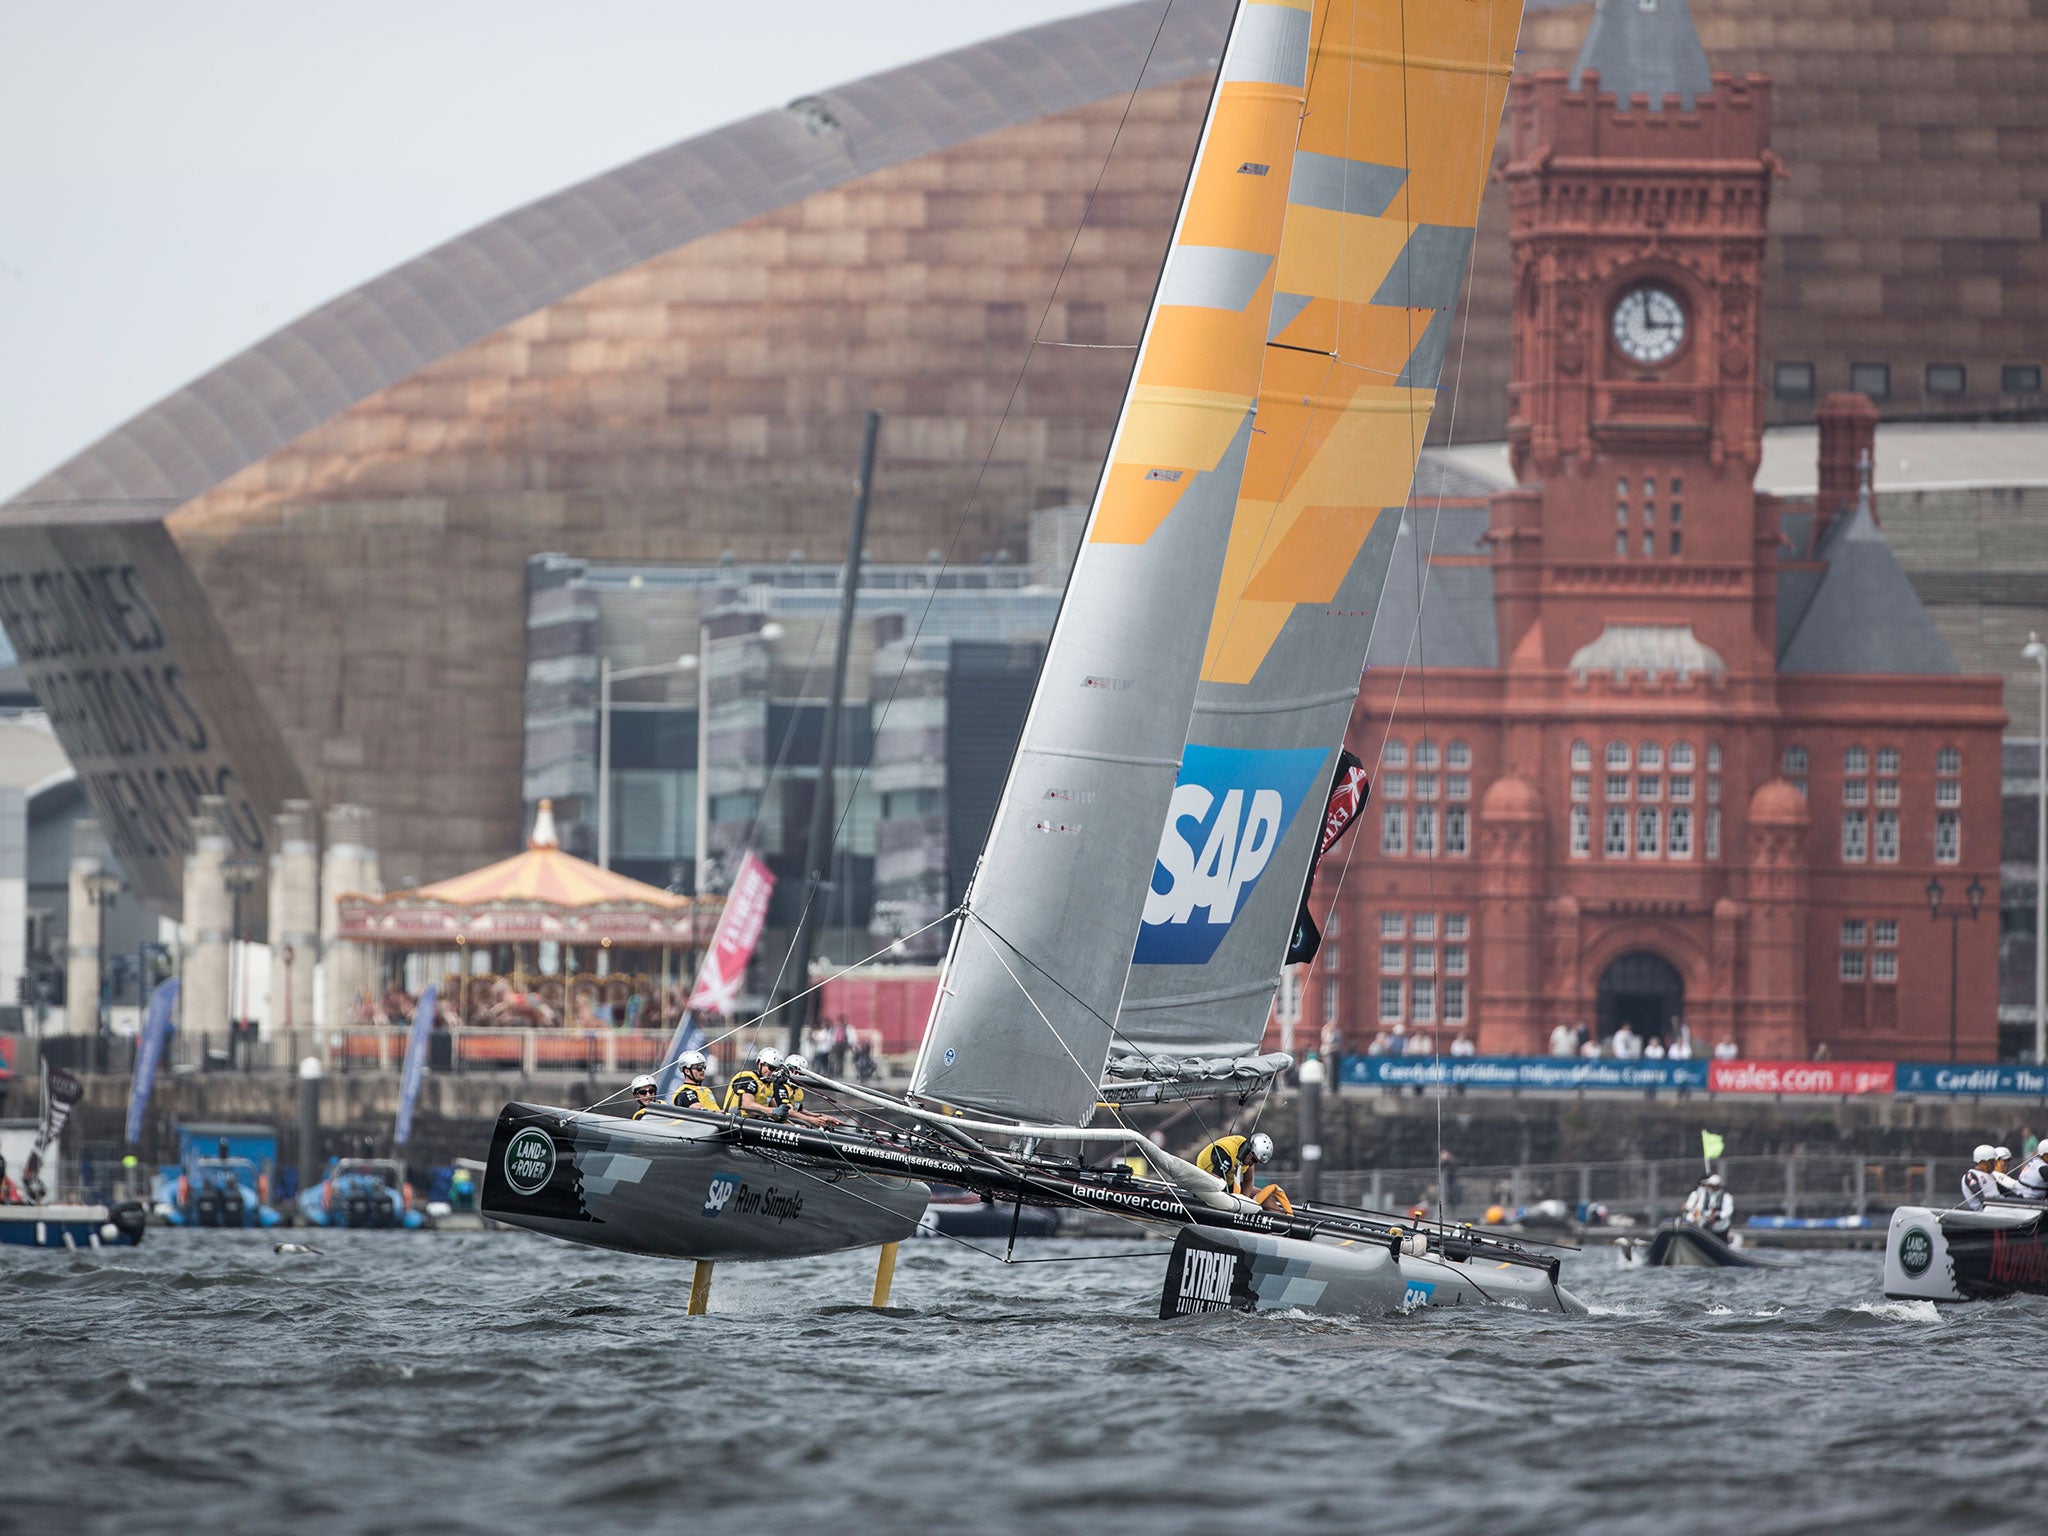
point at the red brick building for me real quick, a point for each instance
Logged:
(1660, 745)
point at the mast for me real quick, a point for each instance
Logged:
(818, 845)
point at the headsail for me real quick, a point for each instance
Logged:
(1404, 99)
(1038, 962)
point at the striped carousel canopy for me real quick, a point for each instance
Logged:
(543, 893)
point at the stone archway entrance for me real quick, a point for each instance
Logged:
(1644, 991)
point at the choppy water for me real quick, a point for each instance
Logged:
(501, 1383)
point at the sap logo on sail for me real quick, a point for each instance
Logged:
(1230, 809)
(1417, 1294)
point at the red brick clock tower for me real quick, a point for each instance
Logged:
(1683, 752)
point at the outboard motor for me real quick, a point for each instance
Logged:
(359, 1209)
(231, 1208)
(206, 1207)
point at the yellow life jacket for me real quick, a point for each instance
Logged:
(1224, 1157)
(695, 1096)
(745, 1082)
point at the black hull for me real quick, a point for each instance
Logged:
(1680, 1246)
(683, 1187)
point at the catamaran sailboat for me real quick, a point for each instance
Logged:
(1181, 770)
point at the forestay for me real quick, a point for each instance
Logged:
(1403, 103)
(1038, 963)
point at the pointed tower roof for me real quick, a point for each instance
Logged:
(1645, 47)
(1865, 617)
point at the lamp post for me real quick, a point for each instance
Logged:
(102, 888)
(606, 676)
(2037, 653)
(1975, 892)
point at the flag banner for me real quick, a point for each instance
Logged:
(732, 945)
(1711, 1146)
(156, 1028)
(1347, 799)
(1817, 1077)
(415, 1064)
(1557, 1074)
(60, 1092)
(689, 1036)
(1973, 1078)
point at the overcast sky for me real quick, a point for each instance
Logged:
(179, 180)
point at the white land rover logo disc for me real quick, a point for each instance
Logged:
(530, 1160)
(1916, 1251)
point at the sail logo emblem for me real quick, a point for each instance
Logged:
(723, 1187)
(530, 1160)
(1230, 808)
(1205, 1276)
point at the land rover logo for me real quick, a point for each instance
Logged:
(530, 1161)
(1916, 1251)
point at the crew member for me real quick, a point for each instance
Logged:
(693, 1092)
(751, 1091)
(644, 1089)
(1232, 1159)
(2001, 1170)
(1980, 1181)
(2031, 1183)
(789, 1092)
(1710, 1207)
(10, 1193)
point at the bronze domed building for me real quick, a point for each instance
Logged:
(303, 575)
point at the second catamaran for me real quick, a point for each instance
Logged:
(1178, 774)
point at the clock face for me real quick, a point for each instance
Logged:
(1649, 323)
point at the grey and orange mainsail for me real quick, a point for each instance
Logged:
(1202, 670)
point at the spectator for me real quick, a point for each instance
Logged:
(1589, 1048)
(1654, 1050)
(1564, 1040)
(1461, 1045)
(1684, 1037)
(1726, 1051)
(1821, 1052)
(2029, 1142)
(842, 1044)
(1628, 1045)
(1420, 1044)
(1680, 1048)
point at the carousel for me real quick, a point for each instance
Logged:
(540, 941)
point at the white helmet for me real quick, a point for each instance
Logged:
(768, 1058)
(2003, 1154)
(1713, 1181)
(793, 1062)
(690, 1059)
(1258, 1148)
(643, 1081)
(1984, 1153)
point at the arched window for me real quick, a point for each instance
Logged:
(1617, 754)
(1856, 760)
(1425, 753)
(1948, 760)
(1649, 755)
(1681, 756)
(1582, 755)
(1395, 754)
(1458, 755)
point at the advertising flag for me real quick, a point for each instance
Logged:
(732, 945)
(415, 1064)
(1347, 799)
(149, 1050)
(60, 1092)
